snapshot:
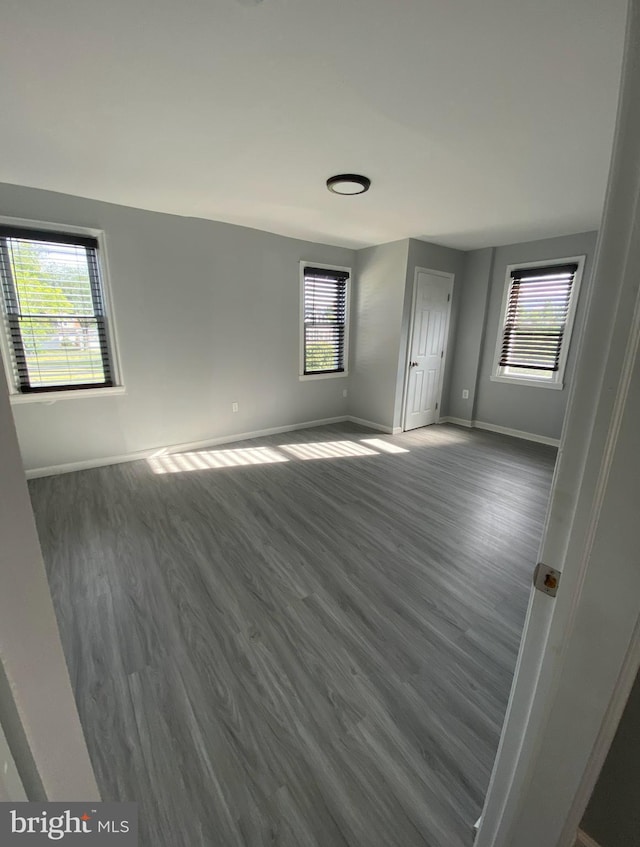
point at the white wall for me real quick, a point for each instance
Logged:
(207, 314)
(37, 711)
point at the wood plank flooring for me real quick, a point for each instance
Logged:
(315, 651)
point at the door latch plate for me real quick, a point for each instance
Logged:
(546, 579)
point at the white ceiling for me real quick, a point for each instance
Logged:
(479, 122)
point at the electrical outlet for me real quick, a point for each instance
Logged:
(234, 407)
(344, 392)
(465, 393)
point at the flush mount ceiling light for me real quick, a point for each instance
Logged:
(348, 184)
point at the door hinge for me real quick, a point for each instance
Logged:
(441, 353)
(448, 297)
(546, 579)
(436, 405)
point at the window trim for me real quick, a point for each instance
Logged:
(48, 397)
(557, 381)
(302, 376)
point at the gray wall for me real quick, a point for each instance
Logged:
(207, 314)
(612, 817)
(474, 290)
(381, 274)
(528, 409)
(432, 257)
(384, 285)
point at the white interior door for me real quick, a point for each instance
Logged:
(430, 323)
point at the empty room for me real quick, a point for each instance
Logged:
(300, 305)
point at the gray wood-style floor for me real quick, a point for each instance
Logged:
(315, 651)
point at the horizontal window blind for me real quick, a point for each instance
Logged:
(536, 317)
(325, 308)
(54, 310)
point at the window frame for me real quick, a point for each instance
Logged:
(302, 376)
(556, 381)
(16, 396)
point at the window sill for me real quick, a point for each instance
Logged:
(50, 397)
(305, 377)
(532, 383)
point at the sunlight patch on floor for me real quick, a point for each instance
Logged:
(385, 446)
(206, 459)
(328, 450)
(437, 435)
(162, 462)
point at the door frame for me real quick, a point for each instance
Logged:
(38, 712)
(572, 679)
(407, 358)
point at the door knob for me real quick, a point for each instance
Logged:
(413, 364)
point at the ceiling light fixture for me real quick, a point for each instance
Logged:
(348, 184)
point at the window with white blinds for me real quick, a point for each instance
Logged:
(538, 317)
(324, 321)
(54, 311)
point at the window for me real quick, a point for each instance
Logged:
(537, 317)
(324, 321)
(57, 337)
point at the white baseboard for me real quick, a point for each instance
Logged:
(458, 421)
(584, 840)
(518, 433)
(374, 425)
(86, 464)
(504, 430)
